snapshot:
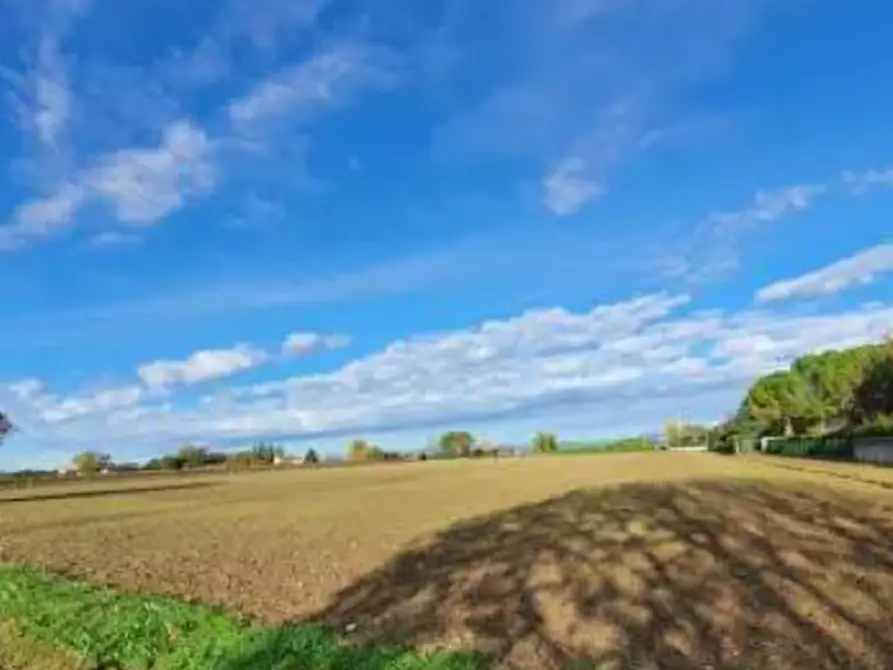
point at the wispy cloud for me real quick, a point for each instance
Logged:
(52, 98)
(596, 80)
(712, 249)
(567, 189)
(40, 95)
(142, 186)
(327, 79)
(766, 208)
(265, 27)
(861, 268)
(862, 182)
(114, 238)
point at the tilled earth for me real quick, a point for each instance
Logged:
(627, 561)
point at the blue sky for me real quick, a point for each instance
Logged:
(315, 220)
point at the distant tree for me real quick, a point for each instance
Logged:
(152, 464)
(358, 450)
(267, 453)
(191, 456)
(91, 462)
(544, 443)
(456, 443)
(679, 434)
(311, 457)
(170, 462)
(216, 458)
(5, 426)
(361, 451)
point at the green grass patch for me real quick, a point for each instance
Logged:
(104, 629)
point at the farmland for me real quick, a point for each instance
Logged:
(624, 561)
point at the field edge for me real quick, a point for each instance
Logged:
(51, 622)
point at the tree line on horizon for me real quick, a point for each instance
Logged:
(840, 392)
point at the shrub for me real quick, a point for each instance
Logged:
(544, 443)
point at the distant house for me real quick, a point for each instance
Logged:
(288, 460)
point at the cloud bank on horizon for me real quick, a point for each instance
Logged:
(308, 221)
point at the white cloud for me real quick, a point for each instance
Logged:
(302, 343)
(142, 185)
(641, 357)
(326, 79)
(201, 366)
(33, 403)
(861, 268)
(713, 248)
(26, 389)
(568, 188)
(766, 208)
(54, 410)
(42, 217)
(862, 182)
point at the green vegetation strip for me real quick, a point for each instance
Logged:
(106, 629)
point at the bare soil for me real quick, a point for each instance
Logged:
(625, 561)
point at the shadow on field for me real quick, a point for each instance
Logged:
(102, 493)
(731, 575)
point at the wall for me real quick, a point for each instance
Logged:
(874, 450)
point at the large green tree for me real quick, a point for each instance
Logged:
(831, 380)
(820, 393)
(873, 397)
(456, 443)
(781, 402)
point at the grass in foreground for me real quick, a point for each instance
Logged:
(58, 624)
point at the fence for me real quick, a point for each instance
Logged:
(827, 448)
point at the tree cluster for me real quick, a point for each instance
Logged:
(188, 457)
(681, 434)
(850, 390)
(360, 451)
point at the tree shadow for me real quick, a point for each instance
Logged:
(732, 575)
(36, 497)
